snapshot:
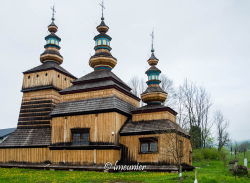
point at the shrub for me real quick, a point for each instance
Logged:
(208, 154)
(240, 170)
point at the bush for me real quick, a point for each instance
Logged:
(207, 154)
(240, 170)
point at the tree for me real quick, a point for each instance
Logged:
(168, 86)
(195, 104)
(222, 130)
(138, 85)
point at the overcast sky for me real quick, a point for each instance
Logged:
(206, 41)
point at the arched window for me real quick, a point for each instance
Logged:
(52, 41)
(104, 42)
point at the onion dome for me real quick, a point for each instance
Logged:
(153, 60)
(102, 28)
(154, 94)
(52, 47)
(102, 59)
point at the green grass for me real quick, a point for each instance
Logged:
(208, 172)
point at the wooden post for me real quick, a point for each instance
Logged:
(195, 180)
(95, 138)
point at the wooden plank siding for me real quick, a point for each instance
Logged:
(98, 94)
(41, 155)
(154, 116)
(44, 78)
(31, 155)
(101, 127)
(85, 156)
(165, 149)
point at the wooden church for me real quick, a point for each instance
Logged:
(94, 119)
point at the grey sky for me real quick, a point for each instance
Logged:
(207, 41)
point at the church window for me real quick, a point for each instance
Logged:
(58, 76)
(148, 145)
(99, 42)
(28, 77)
(80, 136)
(46, 74)
(37, 75)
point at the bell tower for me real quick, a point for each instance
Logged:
(41, 85)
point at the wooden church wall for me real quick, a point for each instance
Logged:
(42, 155)
(97, 94)
(101, 127)
(36, 95)
(85, 156)
(154, 116)
(32, 155)
(166, 151)
(45, 78)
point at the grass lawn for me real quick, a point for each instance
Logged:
(208, 172)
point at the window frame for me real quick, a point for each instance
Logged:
(148, 141)
(80, 131)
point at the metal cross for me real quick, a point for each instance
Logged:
(103, 7)
(53, 13)
(152, 36)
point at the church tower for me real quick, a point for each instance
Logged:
(152, 133)
(41, 86)
(102, 59)
(154, 94)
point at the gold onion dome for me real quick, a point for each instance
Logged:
(52, 47)
(102, 59)
(102, 28)
(154, 94)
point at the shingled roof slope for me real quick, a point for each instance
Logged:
(93, 105)
(100, 74)
(90, 86)
(153, 89)
(153, 108)
(150, 126)
(28, 137)
(49, 65)
(6, 132)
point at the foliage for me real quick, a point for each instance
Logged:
(208, 154)
(240, 170)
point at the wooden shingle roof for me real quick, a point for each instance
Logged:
(23, 137)
(151, 127)
(50, 65)
(90, 106)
